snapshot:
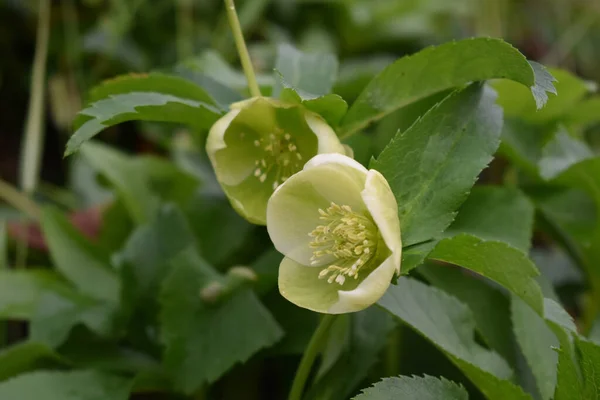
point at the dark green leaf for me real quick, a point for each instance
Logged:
(142, 182)
(78, 260)
(537, 343)
(3, 245)
(490, 308)
(57, 314)
(27, 356)
(414, 255)
(140, 106)
(443, 67)
(308, 73)
(74, 385)
(495, 260)
(449, 325)
(368, 332)
(413, 388)
(203, 342)
(20, 291)
(496, 213)
(145, 258)
(589, 353)
(153, 82)
(431, 166)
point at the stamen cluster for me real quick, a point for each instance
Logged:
(280, 156)
(348, 236)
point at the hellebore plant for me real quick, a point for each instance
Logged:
(260, 144)
(337, 225)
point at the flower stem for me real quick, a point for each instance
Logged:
(314, 346)
(238, 36)
(33, 137)
(18, 200)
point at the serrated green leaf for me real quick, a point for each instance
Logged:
(74, 385)
(432, 165)
(496, 213)
(202, 342)
(449, 325)
(490, 308)
(560, 153)
(368, 331)
(589, 354)
(152, 82)
(220, 230)
(413, 388)
(145, 258)
(140, 106)
(516, 100)
(537, 342)
(497, 261)
(568, 381)
(20, 291)
(443, 67)
(78, 260)
(312, 74)
(27, 356)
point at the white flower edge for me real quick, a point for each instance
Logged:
(298, 282)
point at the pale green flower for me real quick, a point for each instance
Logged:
(337, 225)
(259, 144)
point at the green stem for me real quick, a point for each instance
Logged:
(34, 128)
(310, 354)
(392, 354)
(238, 36)
(185, 29)
(3, 266)
(18, 200)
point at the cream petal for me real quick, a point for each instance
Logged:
(367, 292)
(328, 140)
(302, 286)
(293, 210)
(216, 135)
(382, 205)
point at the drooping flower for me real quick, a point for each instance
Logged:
(259, 144)
(337, 225)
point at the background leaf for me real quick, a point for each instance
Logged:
(75, 385)
(412, 388)
(202, 342)
(78, 260)
(312, 74)
(449, 325)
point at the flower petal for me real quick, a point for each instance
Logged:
(382, 205)
(328, 140)
(367, 292)
(301, 285)
(293, 210)
(216, 135)
(248, 198)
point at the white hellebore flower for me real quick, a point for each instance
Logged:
(337, 225)
(259, 144)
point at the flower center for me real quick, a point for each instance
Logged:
(350, 237)
(280, 157)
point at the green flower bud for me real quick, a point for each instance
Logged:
(337, 225)
(259, 144)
